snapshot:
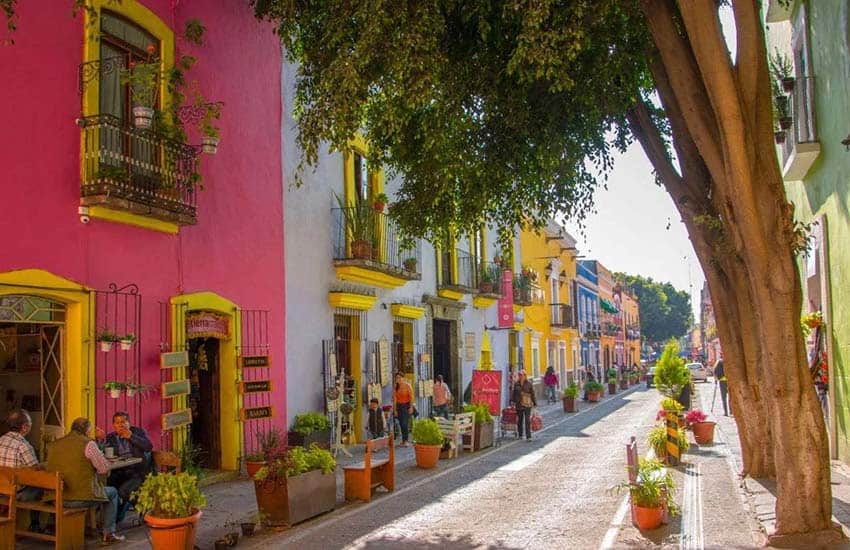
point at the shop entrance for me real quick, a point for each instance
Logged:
(205, 400)
(443, 355)
(32, 360)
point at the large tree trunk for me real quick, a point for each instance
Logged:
(732, 199)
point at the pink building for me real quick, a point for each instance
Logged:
(108, 235)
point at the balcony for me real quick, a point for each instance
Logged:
(561, 315)
(488, 276)
(454, 284)
(366, 249)
(611, 329)
(800, 148)
(142, 172)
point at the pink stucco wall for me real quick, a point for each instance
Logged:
(235, 250)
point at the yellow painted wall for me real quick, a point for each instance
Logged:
(631, 313)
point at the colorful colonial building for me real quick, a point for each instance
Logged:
(116, 238)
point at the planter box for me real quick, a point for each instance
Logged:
(624, 384)
(322, 439)
(612, 389)
(593, 396)
(291, 500)
(483, 436)
(569, 404)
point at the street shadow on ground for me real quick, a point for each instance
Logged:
(434, 542)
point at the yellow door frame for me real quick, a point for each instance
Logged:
(79, 300)
(230, 427)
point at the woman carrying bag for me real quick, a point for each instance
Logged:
(524, 400)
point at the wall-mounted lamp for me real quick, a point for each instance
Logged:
(548, 271)
(562, 277)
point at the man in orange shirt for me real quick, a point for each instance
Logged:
(403, 406)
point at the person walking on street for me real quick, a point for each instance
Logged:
(403, 405)
(551, 381)
(720, 378)
(442, 397)
(524, 400)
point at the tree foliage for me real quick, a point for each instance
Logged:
(664, 311)
(671, 375)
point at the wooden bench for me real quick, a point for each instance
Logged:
(367, 475)
(454, 428)
(70, 523)
(8, 495)
(632, 464)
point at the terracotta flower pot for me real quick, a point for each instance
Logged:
(569, 404)
(703, 432)
(361, 249)
(593, 396)
(427, 455)
(648, 518)
(173, 534)
(612, 388)
(252, 467)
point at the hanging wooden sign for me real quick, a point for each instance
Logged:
(256, 386)
(174, 359)
(250, 361)
(175, 388)
(256, 412)
(176, 419)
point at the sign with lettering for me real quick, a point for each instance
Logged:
(249, 361)
(174, 359)
(506, 302)
(384, 357)
(256, 386)
(207, 324)
(175, 388)
(257, 412)
(487, 388)
(176, 419)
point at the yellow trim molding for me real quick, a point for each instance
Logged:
(230, 399)
(79, 390)
(406, 311)
(103, 213)
(481, 302)
(368, 276)
(455, 295)
(350, 300)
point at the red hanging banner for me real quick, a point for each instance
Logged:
(506, 302)
(487, 388)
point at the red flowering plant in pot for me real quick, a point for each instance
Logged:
(703, 429)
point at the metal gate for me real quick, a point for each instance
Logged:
(253, 339)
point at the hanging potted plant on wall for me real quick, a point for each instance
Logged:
(210, 134)
(107, 339)
(170, 505)
(143, 80)
(127, 341)
(114, 389)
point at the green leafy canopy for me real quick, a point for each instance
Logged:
(504, 110)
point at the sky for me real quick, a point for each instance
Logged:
(637, 230)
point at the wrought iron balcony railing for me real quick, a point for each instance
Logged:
(140, 171)
(364, 234)
(489, 278)
(561, 315)
(801, 108)
(466, 276)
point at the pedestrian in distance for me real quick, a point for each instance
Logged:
(442, 397)
(720, 381)
(403, 405)
(551, 382)
(587, 378)
(524, 401)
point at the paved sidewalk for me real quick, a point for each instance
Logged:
(231, 502)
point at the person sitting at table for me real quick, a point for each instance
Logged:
(78, 458)
(128, 441)
(16, 452)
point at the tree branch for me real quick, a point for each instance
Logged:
(646, 132)
(751, 53)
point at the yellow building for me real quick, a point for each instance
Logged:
(547, 333)
(607, 317)
(631, 320)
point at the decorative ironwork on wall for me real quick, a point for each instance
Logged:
(254, 369)
(118, 317)
(93, 70)
(193, 114)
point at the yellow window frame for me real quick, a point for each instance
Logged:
(359, 145)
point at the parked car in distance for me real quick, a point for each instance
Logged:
(650, 377)
(699, 373)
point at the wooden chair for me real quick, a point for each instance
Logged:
(8, 496)
(70, 523)
(164, 461)
(455, 428)
(632, 463)
(367, 475)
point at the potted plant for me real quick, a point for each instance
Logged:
(210, 133)
(379, 202)
(594, 390)
(248, 526)
(612, 385)
(779, 136)
(671, 375)
(485, 285)
(107, 339)
(309, 428)
(427, 442)
(131, 388)
(703, 429)
(781, 69)
(127, 341)
(170, 504)
(295, 486)
(569, 399)
(143, 80)
(483, 426)
(271, 445)
(409, 264)
(781, 107)
(657, 441)
(359, 222)
(650, 493)
(114, 389)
